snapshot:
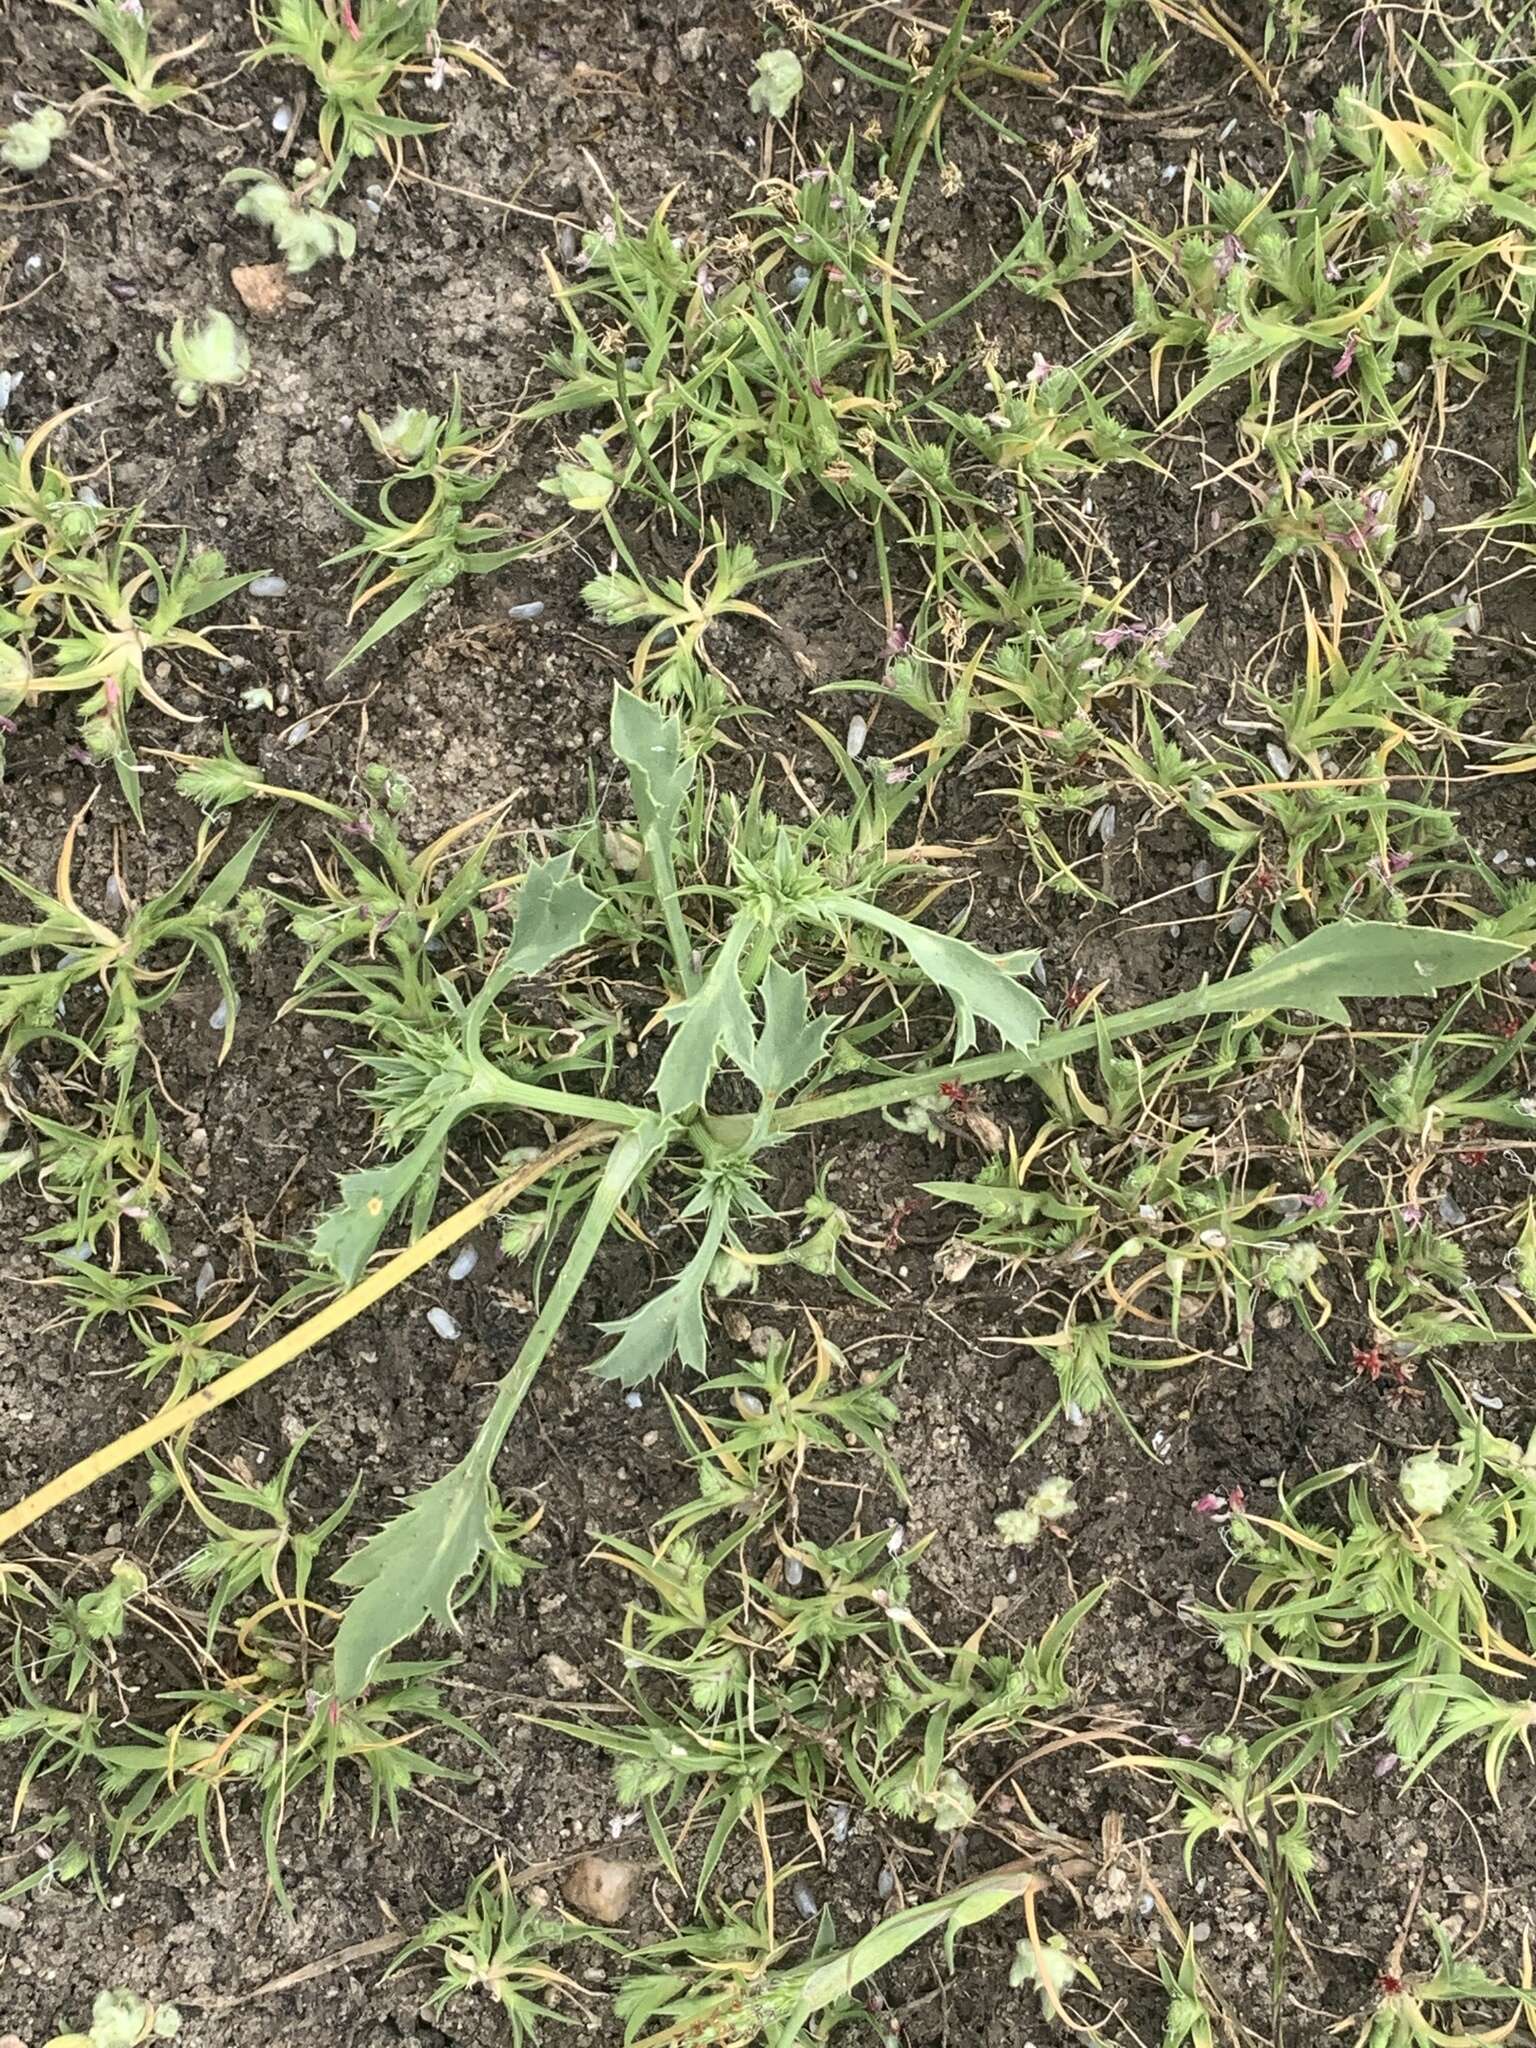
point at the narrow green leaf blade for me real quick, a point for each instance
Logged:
(835, 1980)
(1370, 959)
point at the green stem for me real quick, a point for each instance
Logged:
(658, 845)
(992, 1066)
(500, 1091)
(626, 1162)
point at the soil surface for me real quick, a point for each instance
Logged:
(127, 227)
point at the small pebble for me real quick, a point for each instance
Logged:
(804, 1898)
(1385, 1764)
(1451, 1211)
(885, 1883)
(533, 609)
(1279, 760)
(858, 732)
(634, 1398)
(220, 1017)
(298, 734)
(282, 119)
(839, 1819)
(464, 1264)
(794, 1572)
(443, 1324)
(269, 586)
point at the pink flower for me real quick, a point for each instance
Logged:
(1209, 1503)
(1346, 361)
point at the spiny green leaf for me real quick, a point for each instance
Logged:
(714, 1020)
(650, 744)
(791, 1042)
(670, 1324)
(347, 1236)
(620, 600)
(554, 914)
(975, 985)
(408, 1571)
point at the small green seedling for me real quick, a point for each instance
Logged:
(135, 76)
(358, 56)
(497, 1946)
(27, 145)
(777, 84)
(1051, 1502)
(305, 234)
(1428, 2008)
(209, 359)
(122, 2019)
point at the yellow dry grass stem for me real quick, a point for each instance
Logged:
(186, 1414)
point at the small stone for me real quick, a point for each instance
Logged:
(600, 1888)
(266, 290)
(692, 43)
(562, 1673)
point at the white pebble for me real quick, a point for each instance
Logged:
(298, 734)
(858, 732)
(269, 586)
(464, 1264)
(633, 1398)
(220, 1016)
(443, 1324)
(533, 609)
(1279, 760)
(282, 119)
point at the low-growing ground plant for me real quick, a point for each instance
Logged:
(303, 232)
